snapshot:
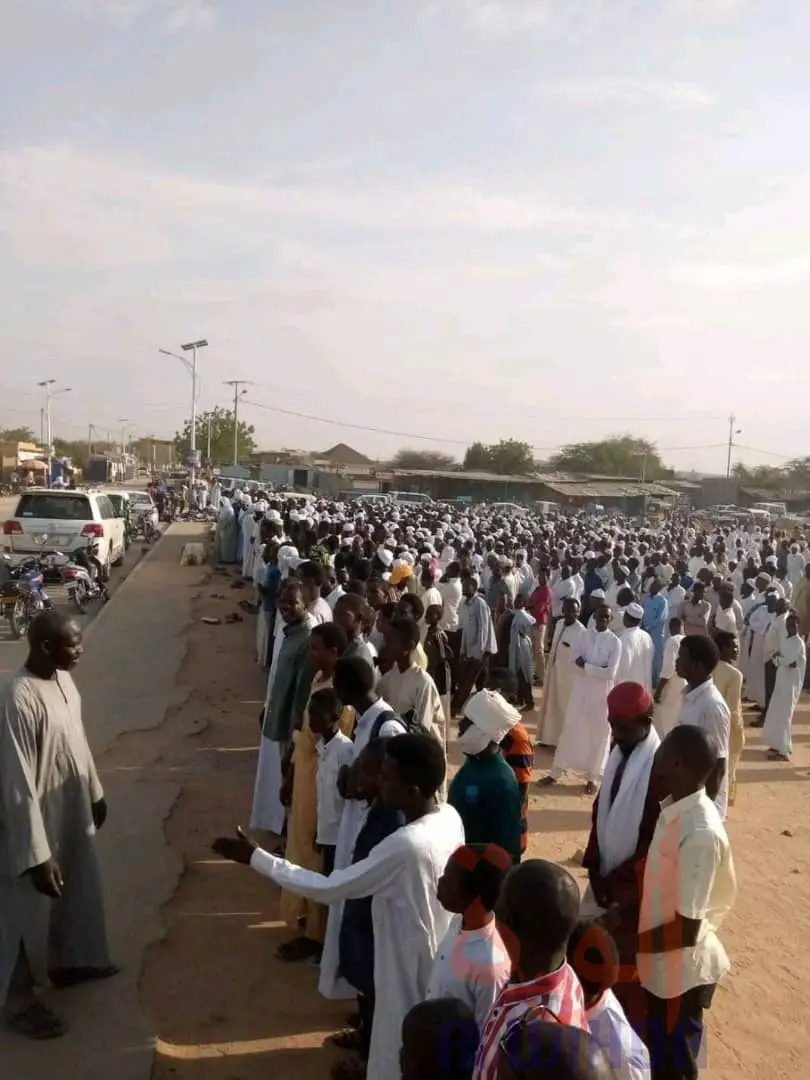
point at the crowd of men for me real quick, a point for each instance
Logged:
(405, 882)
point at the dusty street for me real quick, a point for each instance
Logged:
(172, 707)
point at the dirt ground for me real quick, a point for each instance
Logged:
(226, 1009)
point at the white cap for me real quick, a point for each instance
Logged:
(635, 611)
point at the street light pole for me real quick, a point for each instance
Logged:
(237, 393)
(47, 385)
(731, 434)
(191, 367)
(124, 422)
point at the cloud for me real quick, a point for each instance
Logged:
(170, 16)
(732, 276)
(708, 10)
(505, 19)
(607, 91)
(65, 206)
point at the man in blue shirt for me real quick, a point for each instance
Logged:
(484, 791)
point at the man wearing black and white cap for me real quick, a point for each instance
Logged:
(636, 661)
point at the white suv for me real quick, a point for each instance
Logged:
(68, 518)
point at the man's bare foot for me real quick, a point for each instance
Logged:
(36, 1021)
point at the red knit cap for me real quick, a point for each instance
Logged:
(629, 700)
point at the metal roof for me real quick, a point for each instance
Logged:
(611, 489)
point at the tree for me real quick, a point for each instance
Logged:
(508, 457)
(221, 423)
(764, 476)
(17, 434)
(477, 457)
(422, 459)
(619, 455)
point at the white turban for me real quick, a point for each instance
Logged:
(491, 717)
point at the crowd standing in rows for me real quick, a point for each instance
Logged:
(409, 888)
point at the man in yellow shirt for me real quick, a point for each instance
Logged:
(729, 681)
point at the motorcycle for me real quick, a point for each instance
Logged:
(82, 578)
(22, 593)
(145, 526)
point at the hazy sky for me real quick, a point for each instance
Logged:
(542, 219)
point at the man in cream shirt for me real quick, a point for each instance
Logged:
(688, 890)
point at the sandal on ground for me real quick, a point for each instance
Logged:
(351, 1069)
(64, 978)
(297, 949)
(38, 1022)
(348, 1039)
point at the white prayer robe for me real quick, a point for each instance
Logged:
(758, 625)
(636, 660)
(668, 708)
(250, 530)
(559, 681)
(400, 875)
(795, 568)
(585, 739)
(776, 733)
(48, 784)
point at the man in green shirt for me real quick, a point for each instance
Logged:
(484, 791)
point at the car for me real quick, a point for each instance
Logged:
(410, 498)
(67, 518)
(140, 501)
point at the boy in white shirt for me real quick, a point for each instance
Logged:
(593, 955)
(472, 963)
(334, 751)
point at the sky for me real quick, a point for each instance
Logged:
(549, 220)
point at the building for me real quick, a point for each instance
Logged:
(20, 457)
(568, 491)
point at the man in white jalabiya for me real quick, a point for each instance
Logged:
(400, 875)
(669, 692)
(51, 805)
(636, 662)
(560, 674)
(585, 738)
(790, 662)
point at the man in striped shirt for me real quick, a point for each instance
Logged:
(537, 911)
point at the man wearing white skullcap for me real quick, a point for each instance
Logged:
(638, 651)
(484, 790)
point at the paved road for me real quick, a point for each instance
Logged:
(128, 681)
(12, 653)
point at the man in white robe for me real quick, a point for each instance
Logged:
(790, 662)
(400, 875)
(638, 651)
(585, 739)
(560, 673)
(51, 804)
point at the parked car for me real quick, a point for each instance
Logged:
(67, 517)
(410, 498)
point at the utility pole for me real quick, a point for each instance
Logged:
(237, 393)
(90, 440)
(731, 433)
(208, 454)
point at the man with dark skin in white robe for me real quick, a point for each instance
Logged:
(51, 804)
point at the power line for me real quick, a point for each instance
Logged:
(429, 438)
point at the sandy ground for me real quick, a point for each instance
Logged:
(226, 1009)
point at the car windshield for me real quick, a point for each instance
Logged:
(54, 507)
(140, 497)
